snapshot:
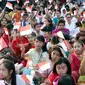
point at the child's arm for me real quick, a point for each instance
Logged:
(70, 57)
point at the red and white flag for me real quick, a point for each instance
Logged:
(26, 2)
(9, 5)
(29, 62)
(17, 25)
(18, 1)
(25, 30)
(59, 34)
(43, 65)
(36, 1)
(50, 1)
(56, 6)
(84, 14)
(27, 78)
(6, 31)
(43, 26)
(65, 45)
(68, 45)
(29, 9)
(35, 12)
(2, 44)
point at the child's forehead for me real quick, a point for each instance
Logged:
(78, 43)
(61, 64)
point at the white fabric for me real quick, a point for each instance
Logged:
(71, 27)
(19, 81)
(48, 45)
(11, 0)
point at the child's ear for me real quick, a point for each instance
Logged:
(11, 71)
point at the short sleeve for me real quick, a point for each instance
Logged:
(19, 80)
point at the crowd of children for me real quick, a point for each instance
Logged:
(42, 42)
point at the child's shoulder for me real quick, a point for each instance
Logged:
(32, 50)
(81, 79)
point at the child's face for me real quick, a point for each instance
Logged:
(61, 69)
(68, 17)
(46, 21)
(61, 26)
(4, 22)
(3, 72)
(57, 14)
(31, 38)
(55, 55)
(24, 18)
(38, 44)
(46, 34)
(78, 48)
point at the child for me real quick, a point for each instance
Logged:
(76, 57)
(7, 73)
(54, 55)
(31, 37)
(61, 67)
(37, 54)
(60, 27)
(81, 80)
(66, 80)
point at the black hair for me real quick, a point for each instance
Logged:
(8, 57)
(10, 66)
(68, 14)
(60, 61)
(58, 11)
(61, 21)
(78, 24)
(67, 36)
(19, 8)
(10, 26)
(66, 80)
(80, 42)
(33, 34)
(40, 38)
(56, 48)
(67, 7)
(55, 40)
(25, 15)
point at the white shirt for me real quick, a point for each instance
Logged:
(19, 81)
(71, 27)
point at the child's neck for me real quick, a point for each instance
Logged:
(38, 50)
(79, 54)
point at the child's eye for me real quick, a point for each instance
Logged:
(58, 68)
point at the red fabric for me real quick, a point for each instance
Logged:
(6, 39)
(52, 76)
(75, 65)
(21, 40)
(24, 62)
